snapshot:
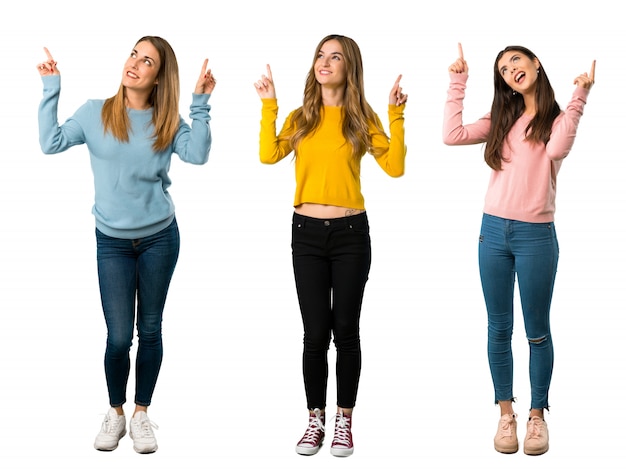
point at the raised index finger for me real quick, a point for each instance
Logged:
(461, 51)
(269, 73)
(205, 63)
(592, 73)
(48, 54)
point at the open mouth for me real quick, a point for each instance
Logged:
(519, 77)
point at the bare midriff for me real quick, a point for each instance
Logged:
(324, 211)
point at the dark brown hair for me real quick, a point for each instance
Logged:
(508, 106)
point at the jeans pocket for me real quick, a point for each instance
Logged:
(359, 224)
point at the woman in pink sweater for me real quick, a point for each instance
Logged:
(526, 137)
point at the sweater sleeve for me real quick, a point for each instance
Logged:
(193, 143)
(52, 137)
(565, 126)
(272, 147)
(394, 150)
(454, 131)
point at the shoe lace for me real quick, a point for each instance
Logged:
(534, 427)
(144, 427)
(505, 426)
(342, 430)
(315, 428)
(109, 425)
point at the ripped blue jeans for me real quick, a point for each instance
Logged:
(531, 251)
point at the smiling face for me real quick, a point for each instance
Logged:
(330, 65)
(141, 68)
(519, 71)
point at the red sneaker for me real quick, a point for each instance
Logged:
(342, 442)
(313, 437)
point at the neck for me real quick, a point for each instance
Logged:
(137, 100)
(529, 103)
(332, 96)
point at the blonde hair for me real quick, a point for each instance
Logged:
(358, 116)
(163, 100)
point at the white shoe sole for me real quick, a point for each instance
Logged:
(341, 452)
(108, 447)
(306, 451)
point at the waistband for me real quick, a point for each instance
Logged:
(333, 222)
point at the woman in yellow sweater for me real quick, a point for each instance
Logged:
(329, 134)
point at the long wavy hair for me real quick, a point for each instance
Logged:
(163, 100)
(508, 106)
(358, 116)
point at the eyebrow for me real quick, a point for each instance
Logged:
(504, 67)
(514, 55)
(146, 57)
(334, 52)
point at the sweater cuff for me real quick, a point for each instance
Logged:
(199, 99)
(270, 102)
(396, 109)
(581, 92)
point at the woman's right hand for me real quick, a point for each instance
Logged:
(49, 67)
(587, 80)
(265, 86)
(459, 66)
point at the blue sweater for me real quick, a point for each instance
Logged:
(130, 179)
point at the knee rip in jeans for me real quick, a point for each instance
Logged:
(538, 340)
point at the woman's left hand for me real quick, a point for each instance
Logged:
(396, 97)
(49, 66)
(206, 81)
(586, 80)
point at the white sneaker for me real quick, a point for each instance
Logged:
(141, 433)
(112, 430)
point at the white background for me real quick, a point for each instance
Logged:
(230, 396)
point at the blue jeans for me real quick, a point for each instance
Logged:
(135, 271)
(331, 262)
(506, 248)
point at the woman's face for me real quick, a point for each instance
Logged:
(330, 65)
(142, 67)
(519, 71)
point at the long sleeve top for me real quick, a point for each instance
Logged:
(326, 172)
(525, 188)
(130, 179)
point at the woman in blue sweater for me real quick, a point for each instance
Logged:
(131, 138)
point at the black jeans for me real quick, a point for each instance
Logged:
(331, 262)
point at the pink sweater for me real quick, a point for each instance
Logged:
(525, 188)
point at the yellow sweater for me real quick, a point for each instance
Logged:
(326, 173)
